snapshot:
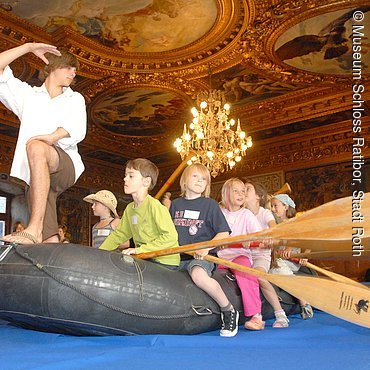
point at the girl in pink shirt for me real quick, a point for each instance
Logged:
(242, 221)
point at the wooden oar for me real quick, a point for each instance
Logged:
(332, 275)
(201, 245)
(345, 301)
(232, 241)
(328, 227)
(255, 241)
(173, 177)
(334, 255)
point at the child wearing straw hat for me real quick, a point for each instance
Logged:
(104, 205)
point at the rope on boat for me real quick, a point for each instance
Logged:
(44, 269)
(141, 279)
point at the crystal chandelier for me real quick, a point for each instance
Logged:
(216, 141)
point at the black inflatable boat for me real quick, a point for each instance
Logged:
(73, 289)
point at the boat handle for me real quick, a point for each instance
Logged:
(6, 251)
(201, 310)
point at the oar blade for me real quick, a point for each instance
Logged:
(345, 301)
(328, 226)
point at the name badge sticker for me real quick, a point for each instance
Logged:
(103, 232)
(193, 215)
(134, 220)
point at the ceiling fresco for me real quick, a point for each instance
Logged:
(139, 112)
(284, 67)
(241, 85)
(133, 26)
(323, 44)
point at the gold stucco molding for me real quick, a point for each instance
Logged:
(297, 106)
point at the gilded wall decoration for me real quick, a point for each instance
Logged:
(332, 145)
(73, 213)
(272, 181)
(313, 187)
(296, 127)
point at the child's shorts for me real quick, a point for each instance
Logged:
(205, 265)
(263, 262)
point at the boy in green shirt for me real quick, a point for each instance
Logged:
(145, 219)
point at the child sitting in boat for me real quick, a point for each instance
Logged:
(255, 201)
(198, 218)
(145, 220)
(284, 208)
(104, 205)
(242, 221)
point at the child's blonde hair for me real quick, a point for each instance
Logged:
(146, 169)
(226, 191)
(203, 170)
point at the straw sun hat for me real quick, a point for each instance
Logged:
(105, 197)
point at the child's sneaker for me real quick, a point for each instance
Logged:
(230, 321)
(281, 321)
(255, 324)
(306, 311)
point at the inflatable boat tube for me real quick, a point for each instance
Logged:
(73, 289)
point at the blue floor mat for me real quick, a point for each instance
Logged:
(323, 342)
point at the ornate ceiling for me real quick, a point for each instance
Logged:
(285, 66)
